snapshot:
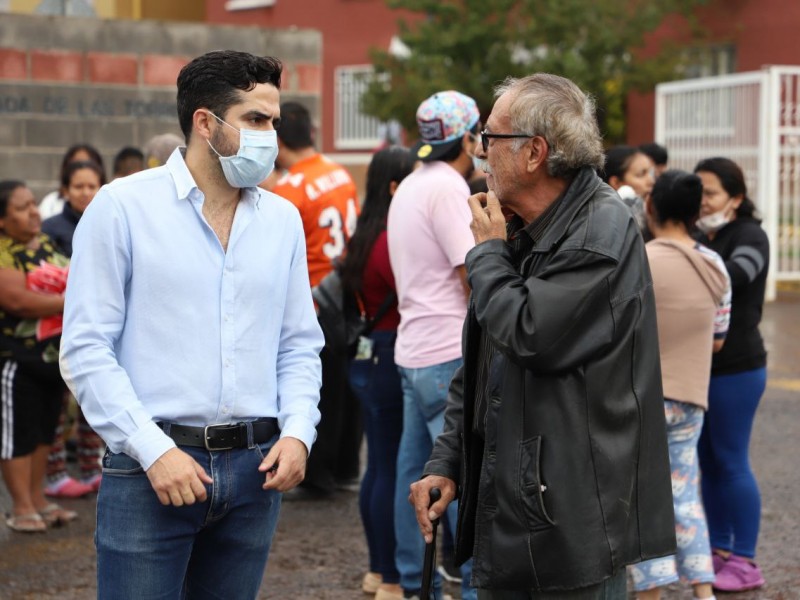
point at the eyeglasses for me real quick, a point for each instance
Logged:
(485, 136)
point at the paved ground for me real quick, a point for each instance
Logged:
(319, 551)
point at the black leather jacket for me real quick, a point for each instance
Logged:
(572, 481)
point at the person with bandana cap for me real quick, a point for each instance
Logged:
(429, 237)
(191, 343)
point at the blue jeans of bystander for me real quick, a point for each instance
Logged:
(376, 383)
(424, 400)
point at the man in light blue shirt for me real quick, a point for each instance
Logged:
(192, 345)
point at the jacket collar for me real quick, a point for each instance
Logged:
(579, 192)
(70, 214)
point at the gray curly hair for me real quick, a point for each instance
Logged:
(556, 109)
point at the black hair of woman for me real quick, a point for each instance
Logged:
(389, 166)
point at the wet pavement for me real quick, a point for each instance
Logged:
(319, 550)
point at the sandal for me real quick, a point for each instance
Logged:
(55, 515)
(30, 523)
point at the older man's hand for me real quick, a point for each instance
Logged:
(488, 220)
(420, 497)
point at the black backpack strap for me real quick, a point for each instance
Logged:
(391, 297)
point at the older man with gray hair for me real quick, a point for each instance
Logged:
(554, 436)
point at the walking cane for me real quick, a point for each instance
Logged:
(429, 566)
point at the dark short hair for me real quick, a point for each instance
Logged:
(7, 187)
(656, 152)
(676, 196)
(295, 130)
(73, 167)
(215, 80)
(618, 161)
(731, 177)
(126, 154)
(69, 156)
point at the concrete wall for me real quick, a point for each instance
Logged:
(112, 83)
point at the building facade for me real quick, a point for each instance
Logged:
(740, 36)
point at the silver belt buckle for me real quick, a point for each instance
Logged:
(205, 437)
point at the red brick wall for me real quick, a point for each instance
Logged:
(764, 32)
(349, 29)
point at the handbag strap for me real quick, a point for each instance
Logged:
(382, 310)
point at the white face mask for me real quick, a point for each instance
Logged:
(713, 222)
(255, 159)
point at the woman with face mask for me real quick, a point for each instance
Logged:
(632, 174)
(738, 377)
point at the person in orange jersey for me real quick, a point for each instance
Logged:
(326, 197)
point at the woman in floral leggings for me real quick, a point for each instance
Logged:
(693, 296)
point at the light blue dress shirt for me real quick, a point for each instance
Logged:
(162, 324)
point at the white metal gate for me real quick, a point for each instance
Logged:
(753, 119)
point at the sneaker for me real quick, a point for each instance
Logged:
(718, 561)
(67, 488)
(449, 572)
(738, 575)
(415, 596)
(93, 482)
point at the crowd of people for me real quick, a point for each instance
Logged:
(40, 418)
(524, 289)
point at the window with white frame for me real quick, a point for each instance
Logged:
(353, 129)
(233, 5)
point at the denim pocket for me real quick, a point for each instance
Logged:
(532, 488)
(120, 464)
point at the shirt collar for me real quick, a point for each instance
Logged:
(536, 228)
(185, 183)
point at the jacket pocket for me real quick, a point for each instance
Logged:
(532, 488)
(120, 464)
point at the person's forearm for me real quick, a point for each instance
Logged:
(32, 305)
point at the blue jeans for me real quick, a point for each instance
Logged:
(376, 383)
(424, 399)
(215, 549)
(612, 588)
(692, 563)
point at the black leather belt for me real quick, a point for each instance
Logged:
(222, 437)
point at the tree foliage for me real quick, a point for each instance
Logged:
(472, 45)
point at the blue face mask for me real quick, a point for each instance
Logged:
(255, 159)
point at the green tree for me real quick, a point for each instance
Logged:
(471, 45)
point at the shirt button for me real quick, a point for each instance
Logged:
(224, 411)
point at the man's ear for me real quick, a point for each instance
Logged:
(538, 151)
(201, 122)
